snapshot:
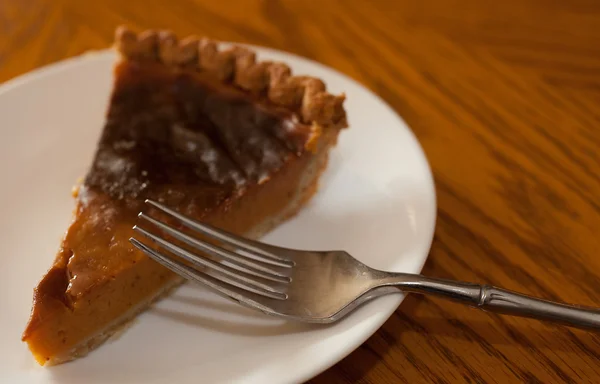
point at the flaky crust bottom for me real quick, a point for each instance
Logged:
(119, 324)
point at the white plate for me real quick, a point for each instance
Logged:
(376, 201)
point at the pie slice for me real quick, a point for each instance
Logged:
(211, 132)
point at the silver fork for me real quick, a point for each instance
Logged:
(318, 286)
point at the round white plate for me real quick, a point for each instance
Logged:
(376, 201)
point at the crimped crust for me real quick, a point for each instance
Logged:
(238, 66)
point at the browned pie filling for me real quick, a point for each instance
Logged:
(173, 137)
(200, 143)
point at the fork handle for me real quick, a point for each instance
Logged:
(498, 300)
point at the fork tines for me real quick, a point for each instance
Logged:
(234, 266)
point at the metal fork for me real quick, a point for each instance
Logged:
(317, 286)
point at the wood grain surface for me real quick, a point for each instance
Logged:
(504, 97)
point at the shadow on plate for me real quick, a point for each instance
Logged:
(225, 316)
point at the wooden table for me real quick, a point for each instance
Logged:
(505, 99)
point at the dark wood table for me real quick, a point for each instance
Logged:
(504, 97)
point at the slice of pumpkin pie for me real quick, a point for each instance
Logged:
(208, 131)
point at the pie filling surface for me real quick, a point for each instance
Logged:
(211, 133)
